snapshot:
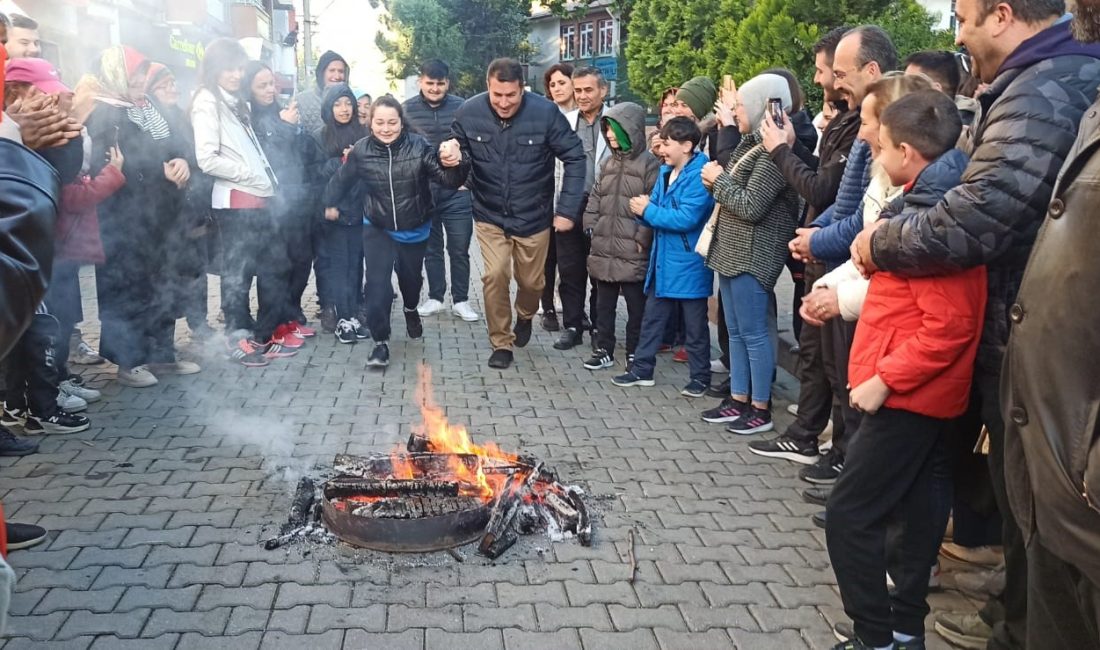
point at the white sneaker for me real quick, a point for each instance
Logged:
(934, 581)
(177, 368)
(138, 377)
(717, 367)
(70, 403)
(82, 354)
(89, 395)
(464, 311)
(430, 307)
(793, 408)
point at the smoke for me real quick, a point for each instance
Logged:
(273, 439)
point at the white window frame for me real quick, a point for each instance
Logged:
(568, 42)
(586, 46)
(606, 26)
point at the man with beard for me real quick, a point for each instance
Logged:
(1051, 397)
(1041, 83)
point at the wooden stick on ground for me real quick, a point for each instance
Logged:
(630, 551)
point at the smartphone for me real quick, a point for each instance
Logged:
(775, 108)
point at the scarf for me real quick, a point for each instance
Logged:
(146, 116)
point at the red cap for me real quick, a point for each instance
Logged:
(37, 72)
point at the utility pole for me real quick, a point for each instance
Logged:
(307, 37)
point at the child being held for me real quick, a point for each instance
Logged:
(910, 369)
(619, 257)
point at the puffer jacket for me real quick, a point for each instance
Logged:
(920, 335)
(397, 178)
(434, 123)
(1028, 122)
(838, 226)
(512, 164)
(309, 101)
(677, 213)
(817, 179)
(30, 190)
(758, 215)
(620, 242)
(1049, 393)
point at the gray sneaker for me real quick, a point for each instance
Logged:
(963, 630)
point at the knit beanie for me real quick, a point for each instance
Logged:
(699, 94)
(621, 136)
(755, 93)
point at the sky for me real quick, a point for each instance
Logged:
(348, 27)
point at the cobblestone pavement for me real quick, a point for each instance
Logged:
(157, 510)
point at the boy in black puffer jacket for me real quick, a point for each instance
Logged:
(619, 256)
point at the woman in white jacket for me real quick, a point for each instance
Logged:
(227, 150)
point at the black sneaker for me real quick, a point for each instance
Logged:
(345, 332)
(59, 422)
(728, 411)
(500, 359)
(13, 445)
(752, 420)
(819, 519)
(570, 338)
(361, 331)
(630, 379)
(379, 356)
(787, 448)
(844, 631)
(550, 321)
(825, 471)
(854, 644)
(13, 417)
(694, 388)
(413, 326)
(24, 535)
(522, 330)
(816, 496)
(720, 390)
(328, 319)
(247, 354)
(599, 360)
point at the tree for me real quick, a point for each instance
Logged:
(665, 43)
(467, 34)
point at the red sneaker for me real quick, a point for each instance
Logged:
(301, 331)
(681, 356)
(274, 349)
(286, 336)
(664, 348)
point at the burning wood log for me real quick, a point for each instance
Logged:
(301, 509)
(584, 522)
(565, 514)
(342, 487)
(499, 536)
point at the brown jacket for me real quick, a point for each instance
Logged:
(1050, 390)
(620, 242)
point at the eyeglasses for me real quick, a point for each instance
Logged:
(964, 61)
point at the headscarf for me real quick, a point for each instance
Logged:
(755, 94)
(119, 64)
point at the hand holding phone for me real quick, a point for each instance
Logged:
(775, 110)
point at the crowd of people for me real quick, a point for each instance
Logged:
(928, 215)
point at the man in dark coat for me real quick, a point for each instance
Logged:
(430, 113)
(1051, 397)
(1041, 83)
(512, 138)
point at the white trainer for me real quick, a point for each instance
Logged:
(177, 368)
(70, 403)
(89, 395)
(138, 377)
(464, 311)
(717, 367)
(430, 307)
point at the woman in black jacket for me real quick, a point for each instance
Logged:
(396, 168)
(296, 159)
(340, 242)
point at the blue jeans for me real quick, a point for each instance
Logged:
(752, 353)
(340, 264)
(658, 311)
(455, 217)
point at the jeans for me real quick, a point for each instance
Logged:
(658, 311)
(31, 378)
(573, 247)
(455, 218)
(752, 353)
(606, 305)
(342, 267)
(384, 256)
(63, 302)
(890, 476)
(248, 251)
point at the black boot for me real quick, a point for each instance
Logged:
(570, 338)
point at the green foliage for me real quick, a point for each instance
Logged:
(670, 41)
(467, 34)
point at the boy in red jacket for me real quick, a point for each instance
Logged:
(910, 370)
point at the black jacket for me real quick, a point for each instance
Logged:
(1029, 119)
(817, 179)
(29, 193)
(434, 123)
(296, 159)
(397, 178)
(512, 164)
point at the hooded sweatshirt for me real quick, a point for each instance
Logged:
(333, 138)
(309, 101)
(620, 241)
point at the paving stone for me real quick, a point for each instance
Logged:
(164, 642)
(333, 640)
(82, 623)
(210, 623)
(245, 619)
(710, 640)
(50, 578)
(797, 596)
(749, 594)
(325, 617)
(99, 601)
(129, 558)
(199, 556)
(636, 640)
(631, 618)
(23, 602)
(552, 618)
(194, 641)
(783, 640)
(776, 618)
(69, 538)
(175, 537)
(230, 575)
(181, 600)
(22, 643)
(291, 621)
(487, 639)
(476, 618)
(582, 594)
(552, 593)
(701, 619)
(365, 595)
(559, 640)
(39, 628)
(407, 640)
(214, 596)
(291, 595)
(482, 594)
(402, 617)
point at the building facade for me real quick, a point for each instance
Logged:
(594, 39)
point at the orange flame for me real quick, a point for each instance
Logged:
(452, 439)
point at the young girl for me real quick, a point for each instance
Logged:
(397, 168)
(340, 254)
(758, 215)
(226, 148)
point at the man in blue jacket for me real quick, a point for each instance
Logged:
(512, 138)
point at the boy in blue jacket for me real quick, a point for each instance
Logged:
(677, 278)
